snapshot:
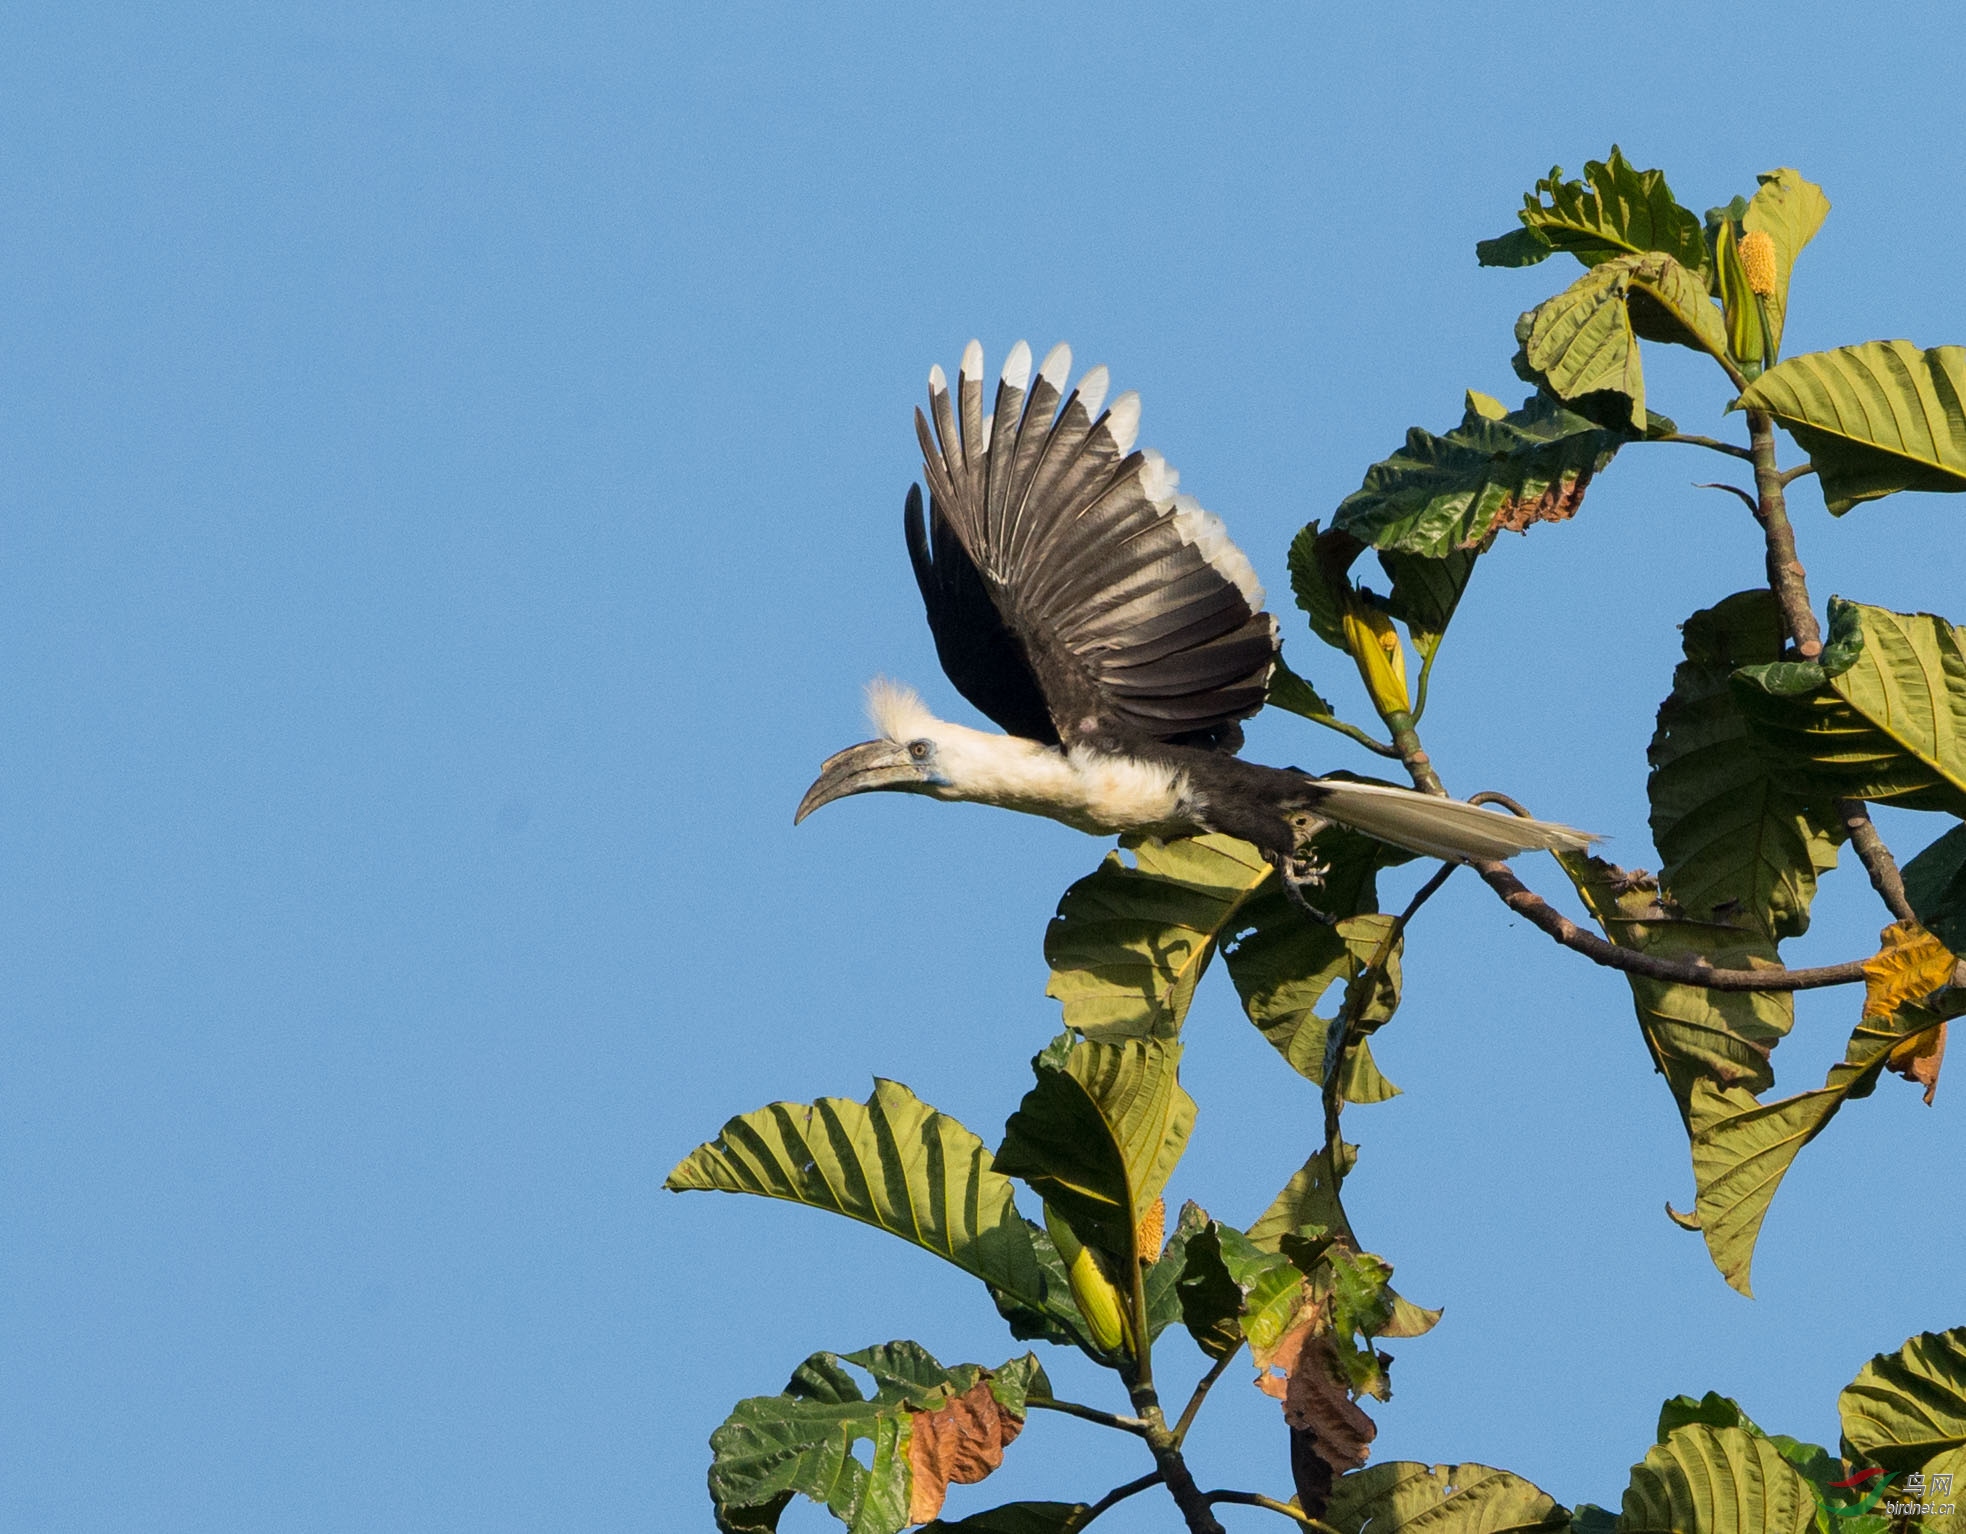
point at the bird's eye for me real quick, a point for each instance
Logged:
(918, 749)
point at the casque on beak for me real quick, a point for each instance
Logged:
(861, 769)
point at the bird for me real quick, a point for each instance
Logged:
(1109, 627)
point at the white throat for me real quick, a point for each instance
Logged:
(1089, 790)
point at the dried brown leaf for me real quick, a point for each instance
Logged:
(1315, 1399)
(961, 1442)
(1558, 503)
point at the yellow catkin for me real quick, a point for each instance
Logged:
(1758, 261)
(1151, 1231)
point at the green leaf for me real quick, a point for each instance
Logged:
(1581, 347)
(1746, 337)
(1291, 692)
(1881, 716)
(1908, 1408)
(802, 1439)
(1717, 1480)
(1425, 592)
(1740, 847)
(1404, 1495)
(1234, 1290)
(1742, 1149)
(1441, 497)
(1693, 1033)
(894, 1163)
(1129, 944)
(1282, 965)
(1935, 884)
(1789, 210)
(1319, 563)
(1716, 1410)
(1613, 211)
(1098, 1139)
(1165, 1305)
(1309, 1198)
(1209, 1297)
(1018, 1518)
(1874, 419)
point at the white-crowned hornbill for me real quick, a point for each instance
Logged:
(1111, 628)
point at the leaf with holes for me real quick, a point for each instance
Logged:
(1739, 845)
(1693, 1033)
(895, 1163)
(1880, 716)
(1440, 1499)
(1717, 1480)
(1908, 1408)
(1614, 210)
(928, 1425)
(1443, 495)
(1874, 419)
(1130, 943)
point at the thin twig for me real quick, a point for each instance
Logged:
(1090, 1414)
(1733, 450)
(1118, 1495)
(1352, 731)
(1257, 1499)
(1746, 499)
(1206, 1384)
(1790, 476)
(1533, 908)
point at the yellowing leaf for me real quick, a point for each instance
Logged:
(1910, 966)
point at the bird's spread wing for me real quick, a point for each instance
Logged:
(1064, 576)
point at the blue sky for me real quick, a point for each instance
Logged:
(453, 461)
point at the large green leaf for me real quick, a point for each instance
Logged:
(1098, 1137)
(1129, 943)
(1815, 1462)
(1693, 1033)
(1439, 1499)
(1443, 495)
(1874, 419)
(1882, 714)
(1789, 210)
(1935, 883)
(1739, 846)
(1906, 1409)
(1716, 1480)
(1282, 965)
(894, 1163)
(1742, 1148)
(801, 1441)
(1319, 579)
(1614, 210)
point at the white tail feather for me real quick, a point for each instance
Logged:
(1442, 828)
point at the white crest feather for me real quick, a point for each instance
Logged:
(1017, 366)
(896, 710)
(938, 381)
(1123, 422)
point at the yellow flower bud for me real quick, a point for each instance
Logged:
(1151, 1232)
(1095, 1294)
(1375, 646)
(1758, 261)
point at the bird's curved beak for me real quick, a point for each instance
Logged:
(861, 769)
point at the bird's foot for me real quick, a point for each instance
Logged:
(1295, 874)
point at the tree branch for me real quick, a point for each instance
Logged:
(1206, 1384)
(1533, 908)
(1876, 858)
(1733, 450)
(1118, 1495)
(1790, 476)
(1746, 499)
(1352, 732)
(1090, 1414)
(1257, 1499)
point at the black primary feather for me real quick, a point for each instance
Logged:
(1065, 583)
